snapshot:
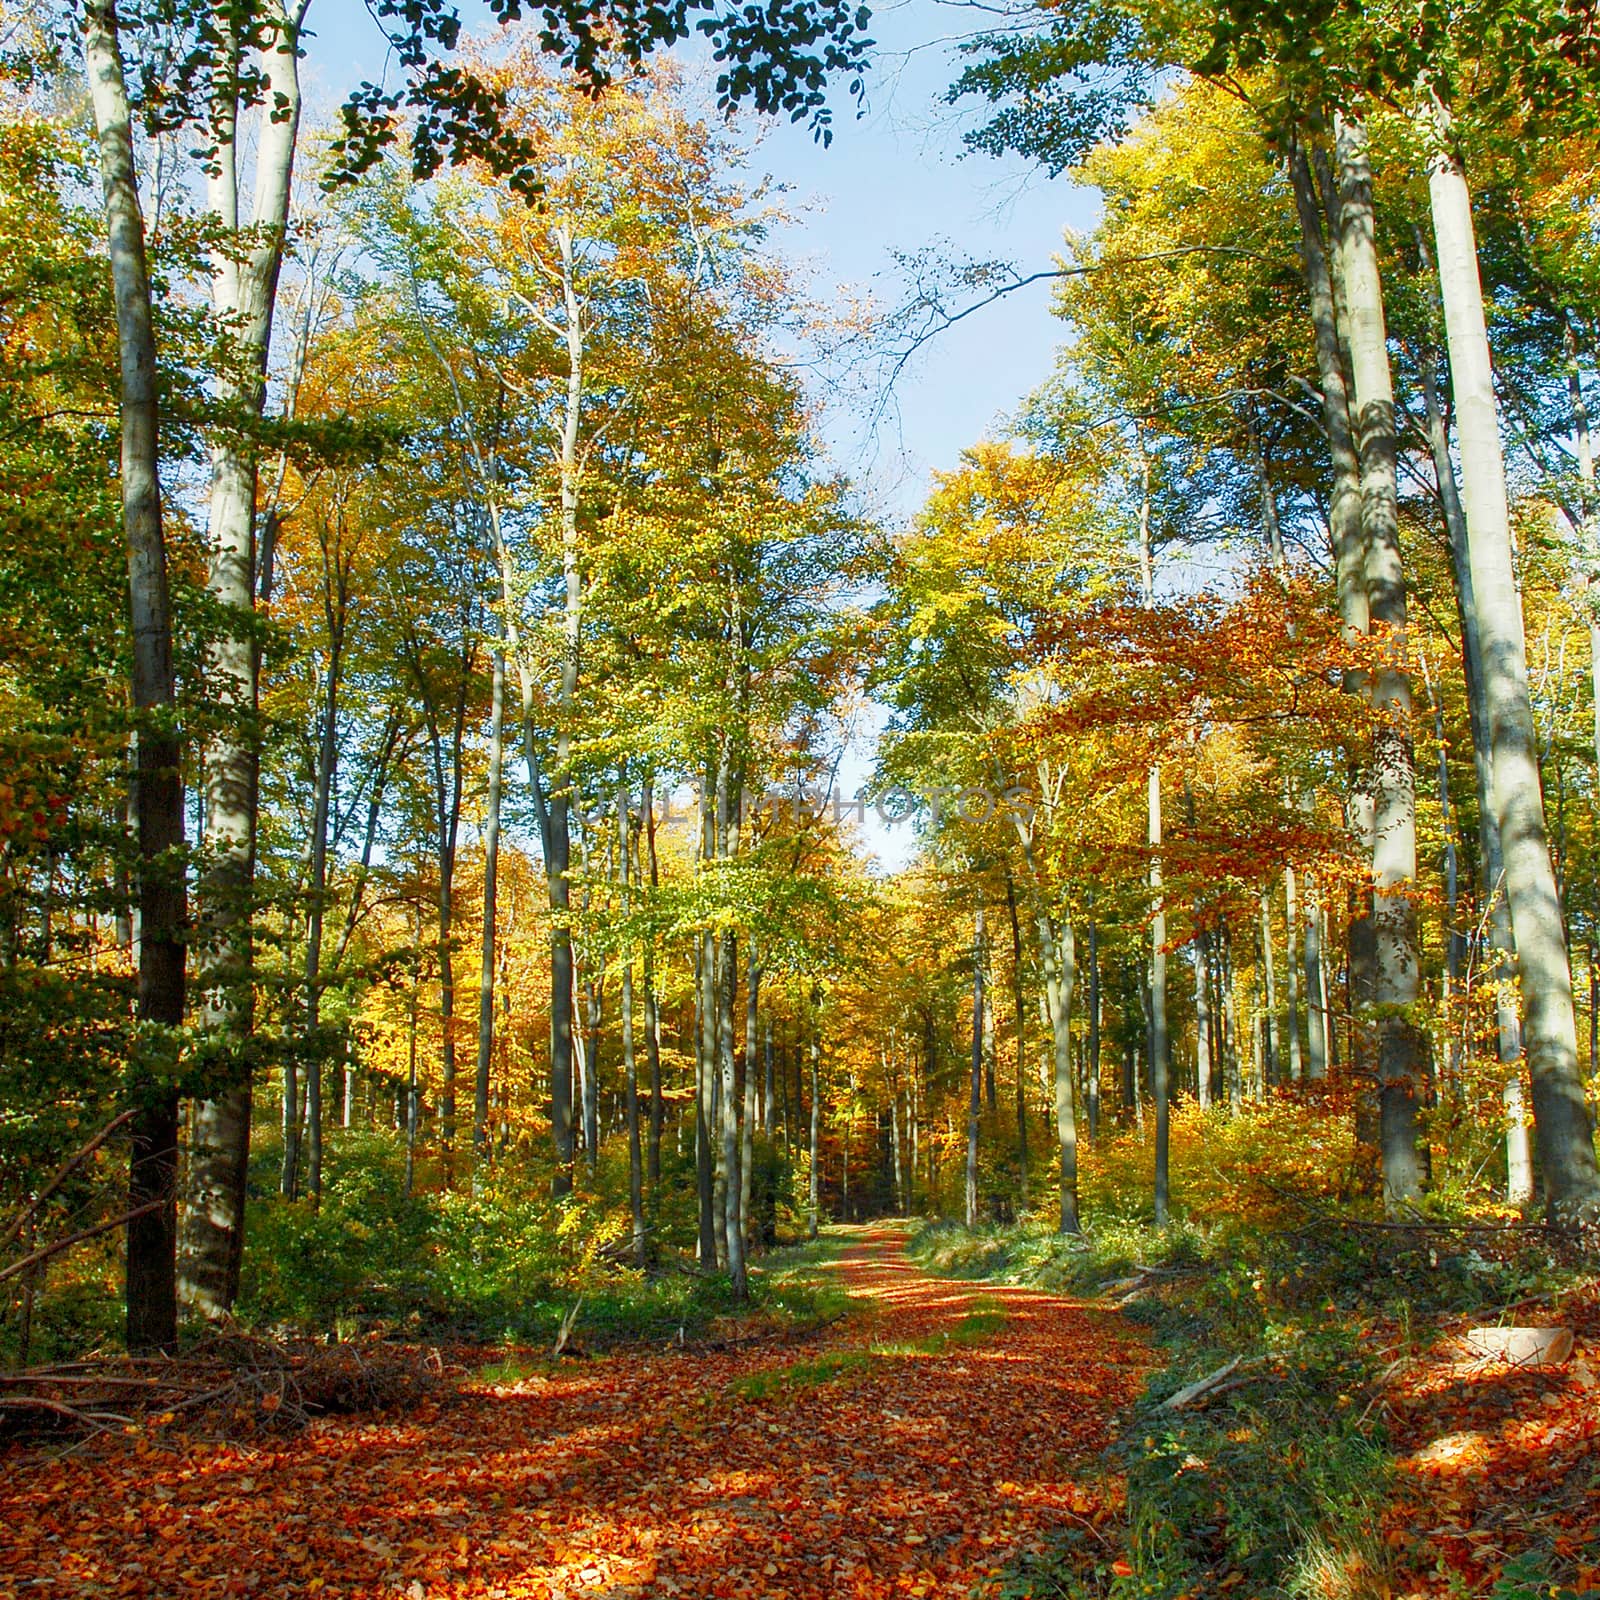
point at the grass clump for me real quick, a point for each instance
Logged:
(811, 1373)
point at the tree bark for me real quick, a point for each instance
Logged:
(1291, 934)
(630, 1068)
(705, 1099)
(1019, 1012)
(1561, 1114)
(157, 797)
(1273, 1058)
(732, 1222)
(748, 1109)
(244, 295)
(327, 765)
(1401, 1043)
(1202, 1020)
(491, 884)
(1344, 516)
(1057, 955)
(813, 1177)
(1316, 997)
(652, 1007)
(975, 1097)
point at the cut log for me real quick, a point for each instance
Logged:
(1522, 1347)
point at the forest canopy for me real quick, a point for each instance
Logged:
(436, 635)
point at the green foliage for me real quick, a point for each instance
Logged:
(800, 1375)
(500, 1260)
(1526, 1579)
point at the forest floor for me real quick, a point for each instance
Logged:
(919, 1447)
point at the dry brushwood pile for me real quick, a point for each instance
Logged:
(912, 1452)
(231, 1384)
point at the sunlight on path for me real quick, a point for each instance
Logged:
(896, 1462)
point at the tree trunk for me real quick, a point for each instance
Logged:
(1345, 526)
(1160, 1058)
(1273, 1058)
(732, 1222)
(491, 879)
(813, 1184)
(1019, 1011)
(705, 1099)
(769, 1105)
(1561, 1114)
(1291, 936)
(748, 1110)
(327, 764)
(630, 1069)
(652, 1001)
(412, 1107)
(157, 801)
(244, 296)
(589, 1086)
(1401, 1043)
(1160, 1049)
(1508, 1019)
(1233, 1061)
(974, 1099)
(1057, 957)
(1316, 997)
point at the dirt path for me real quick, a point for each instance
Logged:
(890, 1460)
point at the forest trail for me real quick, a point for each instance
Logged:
(912, 1452)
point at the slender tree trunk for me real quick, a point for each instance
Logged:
(244, 294)
(157, 798)
(1019, 1012)
(327, 763)
(974, 1099)
(652, 1003)
(1272, 1062)
(1233, 1061)
(1160, 1048)
(557, 815)
(412, 1107)
(1291, 936)
(491, 882)
(783, 1055)
(1349, 544)
(1561, 1113)
(813, 1177)
(1057, 955)
(1502, 950)
(732, 1222)
(1316, 997)
(705, 1098)
(1160, 1055)
(769, 1106)
(1202, 1020)
(630, 1069)
(748, 1110)
(1401, 1043)
(589, 1087)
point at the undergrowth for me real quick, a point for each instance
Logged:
(502, 1262)
(1273, 1485)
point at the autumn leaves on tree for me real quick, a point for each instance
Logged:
(467, 765)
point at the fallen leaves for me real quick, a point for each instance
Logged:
(909, 1474)
(1495, 1460)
